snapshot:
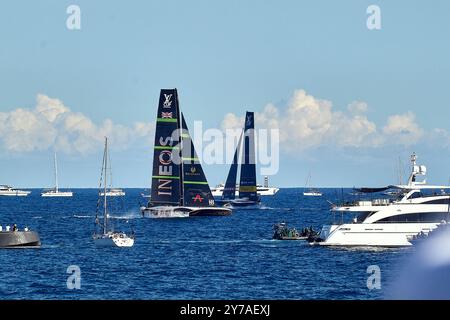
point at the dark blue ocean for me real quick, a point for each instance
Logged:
(186, 258)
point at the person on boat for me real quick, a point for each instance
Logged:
(15, 227)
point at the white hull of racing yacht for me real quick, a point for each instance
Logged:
(182, 212)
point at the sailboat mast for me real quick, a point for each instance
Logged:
(105, 215)
(180, 129)
(56, 173)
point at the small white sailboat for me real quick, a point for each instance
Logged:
(309, 191)
(109, 238)
(55, 192)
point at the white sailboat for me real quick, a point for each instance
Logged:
(109, 238)
(55, 192)
(309, 191)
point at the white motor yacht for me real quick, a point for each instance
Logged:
(10, 191)
(418, 209)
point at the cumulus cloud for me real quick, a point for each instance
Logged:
(51, 124)
(403, 128)
(358, 107)
(308, 122)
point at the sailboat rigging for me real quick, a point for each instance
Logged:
(309, 190)
(55, 192)
(108, 237)
(111, 191)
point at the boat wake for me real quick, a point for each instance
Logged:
(126, 216)
(164, 215)
(260, 241)
(82, 216)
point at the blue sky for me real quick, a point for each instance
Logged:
(227, 57)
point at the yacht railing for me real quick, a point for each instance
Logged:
(365, 203)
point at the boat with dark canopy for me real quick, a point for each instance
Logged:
(179, 185)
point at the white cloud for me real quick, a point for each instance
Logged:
(308, 122)
(403, 128)
(358, 107)
(51, 124)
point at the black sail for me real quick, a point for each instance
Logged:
(166, 176)
(229, 191)
(196, 191)
(247, 185)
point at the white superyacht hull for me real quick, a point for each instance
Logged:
(373, 235)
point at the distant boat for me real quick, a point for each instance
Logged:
(55, 192)
(248, 196)
(14, 238)
(108, 237)
(6, 190)
(113, 192)
(262, 190)
(145, 195)
(179, 185)
(311, 192)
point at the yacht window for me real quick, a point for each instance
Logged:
(415, 195)
(416, 217)
(363, 215)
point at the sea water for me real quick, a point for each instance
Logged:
(231, 257)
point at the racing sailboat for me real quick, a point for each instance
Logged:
(179, 185)
(248, 196)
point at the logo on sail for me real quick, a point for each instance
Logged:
(249, 120)
(166, 115)
(198, 198)
(168, 100)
